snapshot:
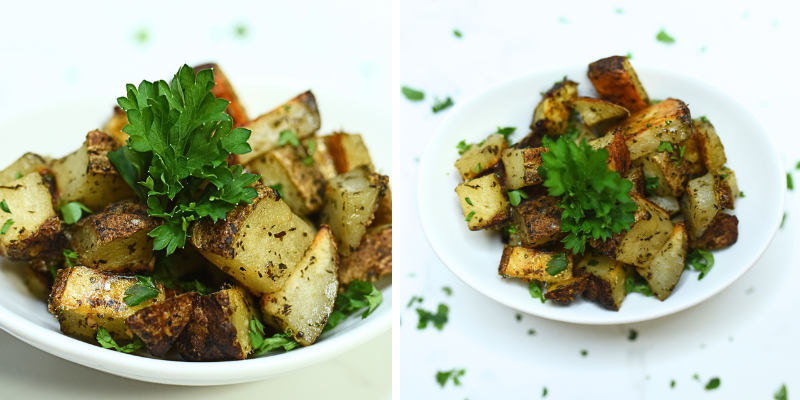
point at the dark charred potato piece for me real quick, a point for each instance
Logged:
(300, 115)
(723, 231)
(483, 202)
(619, 156)
(616, 81)
(302, 185)
(564, 292)
(670, 170)
(224, 90)
(116, 239)
(36, 231)
(711, 150)
(481, 157)
(372, 259)
(538, 220)
(594, 111)
(87, 175)
(84, 299)
(304, 304)
(667, 121)
(551, 115)
(24, 165)
(258, 244)
(664, 271)
(606, 280)
(219, 328)
(531, 264)
(160, 324)
(348, 152)
(522, 167)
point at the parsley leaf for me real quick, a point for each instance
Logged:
(6, 226)
(557, 264)
(457, 33)
(73, 211)
(414, 299)
(536, 291)
(632, 335)
(447, 290)
(443, 376)
(179, 139)
(789, 181)
(642, 287)
(288, 136)
(663, 37)
(506, 132)
(462, 147)
(703, 118)
(713, 384)
(665, 146)
(144, 289)
(544, 391)
(105, 340)
(701, 261)
(263, 344)
(512, 229)
(651, 184)
(412, 94)
(278, 187)
(359, 294)
(469, 216)
(595, 200)
(516, 196)
(438, 319)
(18, 175)
(478, 169)
(311, 148)
(71, 257)
(781, 394)
(4, 206)
(468, 201)
(439, 105)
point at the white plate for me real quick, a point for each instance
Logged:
(474, 256)
(61, 128)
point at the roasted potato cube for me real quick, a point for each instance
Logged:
(24, 165)
(531, 264)
(564, 292)
(664, 271)
(302, 185)
(219, 328)
(667, 121)
(705, 197)
(711, 149)
(606, 280)
(551, 115)
(723, 231)
(87, 175)
(670, 204)
(116, 239)
(224, 90)
(372, 259)
(322, 157)
(300, 115)
(84, 299)
(636, 176)
(114, 125)
(481, 157)
(483, 202)
(644, 238)
(258, 244)
(36, 230)
(304, 304)
(728, 189)
(616, 81)
(348, 152)
(692, 156)
(160, 324)
(669, 169)
(619, 156)
(383, 215)
(522, 167)
(350, 203)
(594, 111)
(538, 220)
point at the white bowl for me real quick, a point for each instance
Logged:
(61, 128)
(474, 256)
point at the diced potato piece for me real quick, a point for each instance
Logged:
(116, 239)
(636, 176)
(728, 189)
(594, 111)
(711, 149)
(300, 115)
(114, 125)
(220, 327)
(24, 165)
(304, 304)
(258, 244)
(551, 115)
(87, 175)
(302, 185)
(350, 203)
(84, 299)
(670, 204)
(705, 197)
(646, 236)
(531, 264)
(538, 220)
(522, 167)
(584, 133)
(224, 90)
(348, 152)
(606, 280)
(481, 157)
(383, 215)
(619, 156)
(564, 292)
(160, 324)
(667, 121)
(723, 231)
(36, 230)
(322, 156)
(616, 81)
(670, 170)
(372, 259)
(664, 271)
(692, 156)
(483, 202)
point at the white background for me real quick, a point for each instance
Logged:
(746, 335)
(52, 52)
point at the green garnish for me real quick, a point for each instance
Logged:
(701, 261)
(438, 319)
(469, 216)
(70, 257)
(632, 335)
(723, 176)
(288, 136)
(506, 132)
(512, 229)
(439, 105)
(443, 376)
(782, 220)
(663, 37)
(557, 264)
(642, 287)
(6, 226)
(519, 317)
(516, 196)
(712, 384)
(678, 160)
(4, 206)
(311, 147)
(665, 146)
(105, 340)
(414, 299)
(412, 94)
(741, 194)
(18, 175)
(478, 169)
(144, 289)
(447, 290)
(164, 274)
(457, 33)
(789, 182)
(781, 394)
(672, 384)
(359, 295)
(651, 184)
(654, 101)
(73, 211)
(278, 187)
(180, 138)
(536, 291)
(703, 118)
(629, 56)
(262, 345)
(595, 200)
(468, 200)
(462, 146)
(584, 353)
(593, 263)
(544, 391)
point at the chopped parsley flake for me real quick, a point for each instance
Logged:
(781, 393)
(457, 33)
(468, 201)
(469, 216)
(438, 319)
(632, 335)
(71, 257)
(144, 289)
(557, 264)
(462, 146)
(443, 376)
(789, 182)
(105, 340)
(413, 94)
(536, 291)
(439, 105)
(516, 196)
(6, 226)
(713, 384)
(447, 290)
(701, 260)
(642, 287)
(413, 300)
(4, 206)
(663, 37)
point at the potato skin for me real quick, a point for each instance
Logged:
(303, 185)
(551, 115)
(668, 121)
(371, 261)
(538, 220)
(723, 231)
(348, 152)
(606, 280)
(617, 82)
(531, 264)
(566, 291)
(160, 324)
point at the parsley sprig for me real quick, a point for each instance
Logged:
(438, 319)
(701, 260)
(443, 376)
(262, 344)
(144, 289)
(105, 340)
(359, 295)
(180, 138)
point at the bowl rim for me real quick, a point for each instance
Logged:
(425, 214)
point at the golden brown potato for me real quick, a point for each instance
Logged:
(616, 81)
(87, 175)
(116, 239)
(565, 292)
(669, 169)
(114, 125)
(711, 150)
(483, 202)
(219, 328)
(300, 115)
(302, 185)
(348, 152)
(304, 304)
(594, 111)
(522, 167)
(481, 157)
(36, 230)
(723, 231)
(24, 165)
(619, 156)
(636, 176)
(664, 271)
(667, 121)
(372, 259)
(727, 188)
(258, 244)
(705, 197)
(224, 90)
(692, 156)
(606, 280)
(160, 324)
(84, 299)
(551, 115)
(531, 264)
(383, 215)
(538, 220)
(322, 157)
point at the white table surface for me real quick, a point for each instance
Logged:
(54, 50)
(746, 335)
